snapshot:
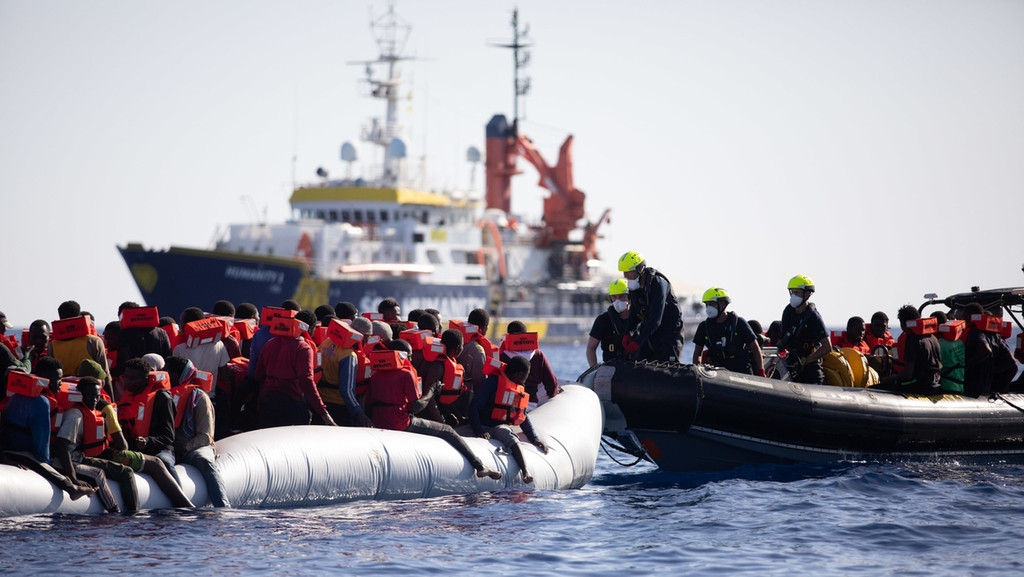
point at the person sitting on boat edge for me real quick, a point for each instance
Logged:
(495, 410)
(394, 398)
(25, 427)
(193, 437)
(83, 435)
(212, 357)
(610, 326)
(541, 372)
(804, 334)
(921, 368)
(655, 320)
(730, 341)
(988, 363)
(453, 398)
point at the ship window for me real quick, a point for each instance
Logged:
(357, 215)
(423, 217)
(320, 214)
(384, 216)
(418, 237)
(371, 216)
(334, 215)
(346, 216)
(433, 257)
(270, 250)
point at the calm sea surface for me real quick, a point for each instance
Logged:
(839, 519)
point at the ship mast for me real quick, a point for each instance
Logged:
(391, 34)
(520, 59)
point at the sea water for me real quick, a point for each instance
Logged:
(847, 518)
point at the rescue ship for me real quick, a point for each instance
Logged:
(365, 239)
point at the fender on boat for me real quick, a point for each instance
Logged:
(316, 465)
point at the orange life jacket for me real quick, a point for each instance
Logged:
(510, 402)
(452, 384)
(135, 412)
(94, 432)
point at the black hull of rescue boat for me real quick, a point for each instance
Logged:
(698, 418)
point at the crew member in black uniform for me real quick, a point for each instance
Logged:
(804, 336)
(610, 326)
(730, 341)
(655, 322)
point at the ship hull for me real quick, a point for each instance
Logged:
(178, 278)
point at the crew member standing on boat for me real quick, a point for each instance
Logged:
(730, 341)
(655, 322)
(610, 326)
(803, 334)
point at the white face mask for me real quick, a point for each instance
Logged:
(712, 311)
(632, 283)
(795, 301)
(620, 305)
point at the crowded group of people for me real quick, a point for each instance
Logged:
(80, 406)
(961, 351)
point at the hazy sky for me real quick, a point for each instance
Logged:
(877, 147)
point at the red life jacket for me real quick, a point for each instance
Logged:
(135, 412)
(180, 396)
(94, 432)
(452, 384)
(510, 402)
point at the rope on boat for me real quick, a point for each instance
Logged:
(605, 443)
(1003, 399)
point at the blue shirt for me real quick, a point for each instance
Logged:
(26, 426)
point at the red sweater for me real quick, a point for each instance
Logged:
(286, 365)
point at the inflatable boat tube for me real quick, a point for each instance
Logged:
(315, 465)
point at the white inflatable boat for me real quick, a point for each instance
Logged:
(314, 465)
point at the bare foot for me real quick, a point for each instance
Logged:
(81, 491)
(488, 473)
(527, 478)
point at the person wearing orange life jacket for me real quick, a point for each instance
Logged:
(146, 413)
(475, 347)
(499, 404)
(988, 363)
(340, 362)
(213, 358)
(285, 376)
(71, 351)
(135, 341)
(921, 371)
(81, 438)
(453, 397)
(541, 372)
(853, 337)
(16, 356)
(394, 398)
(194, 431)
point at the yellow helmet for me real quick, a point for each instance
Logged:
(716, 294)
(630, 261)
(801, 281)
(618, 287)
